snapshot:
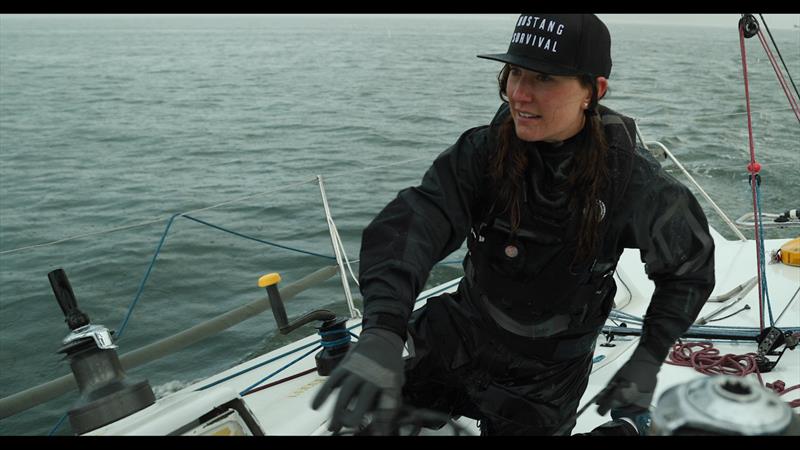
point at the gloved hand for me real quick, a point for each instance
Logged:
(632, 387)
(370, 377)
(639, 418)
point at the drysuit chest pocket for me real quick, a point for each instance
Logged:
(532, 275)
(523, 255)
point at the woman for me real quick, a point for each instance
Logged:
(548, 196)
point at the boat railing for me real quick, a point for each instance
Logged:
(663, 152)
(34, 396)
(47, 391)
(42, 393)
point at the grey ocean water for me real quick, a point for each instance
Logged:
(114, 121)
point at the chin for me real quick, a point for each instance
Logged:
(528, 136)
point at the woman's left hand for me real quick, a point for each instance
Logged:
(633, 385)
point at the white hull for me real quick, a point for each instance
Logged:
(284, 409)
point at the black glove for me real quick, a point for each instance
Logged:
(370, 377)
(632, 387)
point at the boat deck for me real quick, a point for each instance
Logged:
(284, 408)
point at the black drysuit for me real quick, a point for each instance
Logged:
(513, 346)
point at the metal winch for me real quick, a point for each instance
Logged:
(723, 405)
(107, 395)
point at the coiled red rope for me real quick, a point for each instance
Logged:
(704, 358)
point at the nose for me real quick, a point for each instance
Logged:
(521, 89)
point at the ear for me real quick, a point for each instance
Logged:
(602, 87)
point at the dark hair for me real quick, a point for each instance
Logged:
(586, 182)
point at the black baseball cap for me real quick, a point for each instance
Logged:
(559, 44)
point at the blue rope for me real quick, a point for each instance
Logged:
(259, 240)
(149, 270)
(53, 431)
(762, 266)
(344, 339)
(336, 343)
(161, 244)
(235, 233)
(244, 392)
(123, 326)
(138, 294)
(322, 344)
(243, 371)
(146, 276)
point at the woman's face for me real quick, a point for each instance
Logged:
(545, 107)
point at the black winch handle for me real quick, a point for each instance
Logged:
(270, 282)
(74, 317)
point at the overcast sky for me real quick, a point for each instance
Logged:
(774, 21)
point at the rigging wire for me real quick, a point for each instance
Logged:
(789, 74)
(788, 304)
(683, 115)
(778, 73)
(149, 222)
(227, 202)
(762, 260)
(753, 168)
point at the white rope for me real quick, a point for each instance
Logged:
(702, 192)
(630, 294)
(344, 253)
(645, 119)
(81, 236)
(247, 197)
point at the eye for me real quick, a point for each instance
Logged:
(516, 71)
(544, 77)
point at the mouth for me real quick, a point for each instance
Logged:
(526, 115)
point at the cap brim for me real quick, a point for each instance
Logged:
(530, 64)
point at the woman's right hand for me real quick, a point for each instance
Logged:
(370, 377)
